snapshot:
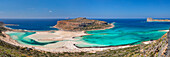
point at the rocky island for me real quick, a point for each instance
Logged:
(157, 20)
(81, 24)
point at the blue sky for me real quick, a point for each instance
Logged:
(84, 8)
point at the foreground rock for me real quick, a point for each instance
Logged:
(80, 24)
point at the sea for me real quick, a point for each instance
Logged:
(125, 32)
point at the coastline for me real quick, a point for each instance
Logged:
(148, 42)
(60, 47)
(67, 46)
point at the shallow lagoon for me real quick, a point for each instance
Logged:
(22, 38)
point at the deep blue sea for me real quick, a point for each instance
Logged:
(32, 24)
(126, 31)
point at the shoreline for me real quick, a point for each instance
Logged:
(64, 48)
(46, 47)
(68, 46)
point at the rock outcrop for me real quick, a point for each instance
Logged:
(80, 24)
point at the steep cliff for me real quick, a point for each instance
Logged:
(79, 24)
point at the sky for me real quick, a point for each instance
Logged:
(84, 8)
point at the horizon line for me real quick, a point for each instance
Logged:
(73, 17)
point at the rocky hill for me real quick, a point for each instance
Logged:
(80, 24)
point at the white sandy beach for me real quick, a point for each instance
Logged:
(56, 35)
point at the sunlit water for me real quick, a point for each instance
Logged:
(126, 31)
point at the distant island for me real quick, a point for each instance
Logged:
(157, 20)
(81, 24)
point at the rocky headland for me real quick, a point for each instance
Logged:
(82, 24)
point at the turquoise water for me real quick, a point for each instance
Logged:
(126, 31)
(22, 38)
(114, 38)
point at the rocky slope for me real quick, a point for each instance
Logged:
(2, 28)
(80, 24)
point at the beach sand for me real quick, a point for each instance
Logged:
(56, 35)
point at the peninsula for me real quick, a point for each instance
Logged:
(82, 24)
(157, 20)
